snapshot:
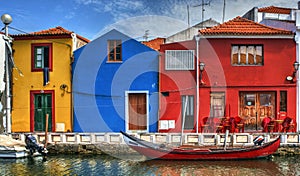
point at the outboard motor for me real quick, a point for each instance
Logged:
(258, 140)
(33, 146)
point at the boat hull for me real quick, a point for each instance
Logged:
(154, 151)
(11, 153)
(18, 154)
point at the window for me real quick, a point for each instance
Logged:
(249, 99)
(187, 106)
(217, 104)
(41, 56)
(179, 60)
(277, 16)
(247, 55)
(114, 50)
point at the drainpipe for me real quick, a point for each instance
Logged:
(74, 47)
(297, 40)
(197, 38)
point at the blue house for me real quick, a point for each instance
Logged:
(115, 85)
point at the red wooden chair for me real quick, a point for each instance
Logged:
(232, 125)
(265, 122)
(288, 125)
(218, 125)
(206, 125)
(224, 125)
(271, 126)
(240, 125)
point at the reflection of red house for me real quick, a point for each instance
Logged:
(245, 74)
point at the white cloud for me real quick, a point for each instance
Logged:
(137, 15)
(135, 27)
(85, 2)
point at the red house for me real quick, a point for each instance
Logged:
(243, 69)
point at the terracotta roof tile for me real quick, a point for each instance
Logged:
(52, 31)
(242, 26)
(57, 31)
(155, 43)
(273, 9)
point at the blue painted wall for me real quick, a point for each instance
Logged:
(99, 87)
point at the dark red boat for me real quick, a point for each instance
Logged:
(159, 151)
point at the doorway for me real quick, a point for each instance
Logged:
(137, 111)
(42, 104)
(255, 106)
(187, 106)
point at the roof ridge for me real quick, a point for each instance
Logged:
(287, 8)
(55, 31)
(239, 25)
(275, 9)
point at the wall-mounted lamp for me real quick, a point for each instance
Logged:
(201, 65)
(296, 68)
(64, 88)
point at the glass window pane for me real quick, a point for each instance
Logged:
(118, 49)
(234, 55)
(249, 99)
(39, 64)
(39, 57)
(118, 57)
(258, 55)
(111, 56)
(265, 99)
(39, 51)
(250, 51)
(243, 51)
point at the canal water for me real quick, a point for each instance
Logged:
(108, 165)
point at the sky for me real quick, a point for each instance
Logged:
(92, 18)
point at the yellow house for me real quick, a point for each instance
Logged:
(43, 89)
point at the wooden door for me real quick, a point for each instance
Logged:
(137, 111)
(255, 106)
(42, 106)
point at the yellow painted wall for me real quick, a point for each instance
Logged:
(61, 74)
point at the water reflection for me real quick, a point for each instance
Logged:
(107, 165)
(252, 167)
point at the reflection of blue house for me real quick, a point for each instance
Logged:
(115, 85)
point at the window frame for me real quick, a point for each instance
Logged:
(116, 44)
(246, 60)
(33, 56)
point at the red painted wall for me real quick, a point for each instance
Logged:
(220, 75)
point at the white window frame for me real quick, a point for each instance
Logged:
(179, 60)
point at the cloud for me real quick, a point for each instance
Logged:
(85, 2)
(135, 27)
(136, 16)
